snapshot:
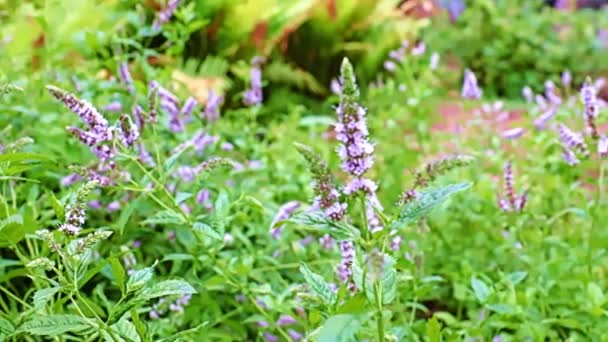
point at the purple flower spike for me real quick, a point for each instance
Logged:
(569, 157)
(88, 114)
(390, 66)
(153, 89)
(572, 140)
(542, 119)
(203, 196)
(588, 96)
(113, 206)
(295, 336)
(125, 76)
(164, 15)
(286, 320)
(528, 94)
(113, 107)
(128, 131)
(511, 201)
(188, 108)
(262, 324)
(396, 243)
(470, 90)
(254, 95)
(327, 242)
(70, 179)
(513, 133)
(284, 213)
(344, 271)
(419, 49)
(566, 78)
(268, 337)
(212, 111)
(138, 114)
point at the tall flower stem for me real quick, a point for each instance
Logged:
(594, 217)
(380, 316)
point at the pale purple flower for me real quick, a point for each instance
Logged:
(336, 211)
(419, 49)
(550, 93)
(528, 94)
(153, 88)
(542, 119)
(268, 337)
(188, 108)
(569, 157)
(470, 89)
(138, 114)
(455, 9)
(203, 196)
(395, 244)
(186, 173)
(434, 61)
(398, 54)
(125, 76)
(572, 140)
(262, 324)
(255, 164)
(129, 132)
(602, 147)
(356, 151)
(335, 86)
(513, 133)
(254, 96)
(70, 179)
(136, 244)
(566, 78)
(588, 96)
(541, 103)
(165, 14)
(511, 201)
(390, 66)
(228, 239)
(361, 184)
(113, 206)
(154, 314)
(344, 271)
(327, 242)
(97, 124)
(295, 336)
(286, 320)
(227, 146)
(113, 107)
(306, 241)
(144, 156)
(95, 204)
(282, 214)
(212, 111)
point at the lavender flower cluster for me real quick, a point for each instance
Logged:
(511, 202)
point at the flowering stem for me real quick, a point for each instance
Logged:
(380, 317)
(594, 217)
(365, 231)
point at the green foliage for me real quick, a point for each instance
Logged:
(510, 44)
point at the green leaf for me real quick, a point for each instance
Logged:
(338, 230)
(167, 217)
(53, 325)
(125, 215)
(318, 284)
(183, 333)
(339, 328)
(140, 278)
(182, 196)
(596, 295)
(433, 330)
(205, 230)
(425, 202)
(480, 289)
(8, 262)
(140, 326)
(126, 330)
(42, 296)
(57, 206)
(167, 288)
(119, 273)
(22, 156)
(505, 309)
(517, 277)
(13, 219)
(389, 281)
(6, 326)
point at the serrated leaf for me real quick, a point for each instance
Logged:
(337, 230)
(53, 325)
(389, 282)
(339, 328)
(318, 284)
(425, 202)
(433, 330)
(181, 197)
(42, 296)
(480, 290)
(139, 278)
(119, 273)
(6, 326)
(205, 230)
(167, 288)
(126, 330)
(165, 217)
(13, 219)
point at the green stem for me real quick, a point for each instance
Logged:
(380, 317)
(594, 217)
